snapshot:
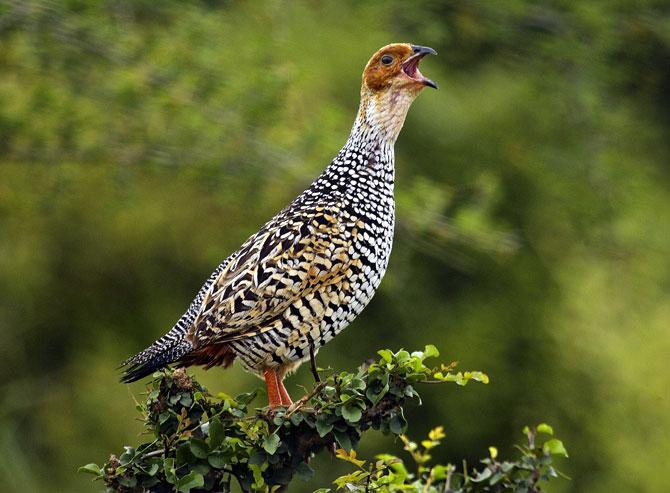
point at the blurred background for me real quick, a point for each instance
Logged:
(141, 142)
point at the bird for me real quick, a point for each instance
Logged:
(311, 269)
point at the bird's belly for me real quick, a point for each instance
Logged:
(317, 317)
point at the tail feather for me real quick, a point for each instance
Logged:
(161, 353)
(153, 358)
(173, 345)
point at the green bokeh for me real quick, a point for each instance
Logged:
(142, 142)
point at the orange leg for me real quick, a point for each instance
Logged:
(272, 381)
(285, 398)
(277, 394)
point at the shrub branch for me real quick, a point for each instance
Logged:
(201, 443)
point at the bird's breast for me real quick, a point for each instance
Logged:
(357, 203)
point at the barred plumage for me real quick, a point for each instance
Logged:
(312, 268)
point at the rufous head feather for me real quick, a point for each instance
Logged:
(391, 81)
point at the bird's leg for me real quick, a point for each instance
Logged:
(273, 384)
(312, 363)
(277, 394)
(285, 398)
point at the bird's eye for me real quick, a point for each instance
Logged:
(387, 60)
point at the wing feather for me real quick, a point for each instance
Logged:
(274, 269)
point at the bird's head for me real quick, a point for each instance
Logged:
(396, 66)
(391, 81)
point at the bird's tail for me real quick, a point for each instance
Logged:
(173, 345)
(161, 353)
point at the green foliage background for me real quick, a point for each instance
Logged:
(141, 142)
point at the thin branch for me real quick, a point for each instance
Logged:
(154, 453)
(304, 399)
(312, 363)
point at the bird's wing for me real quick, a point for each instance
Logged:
(284, 262)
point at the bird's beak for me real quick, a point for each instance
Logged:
(411, 65)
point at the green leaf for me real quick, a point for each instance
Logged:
(304, 471)
(329, 391)
(258, 476)
(479, 376)
(343, 439)
(217, 460)
(150, 481)
(94, 469)
(352, 413)
(127, 456)
(202, 468)
(271, 443)
(376, 394)
(397, 424)
(357, 383)
(554, 447)
(430, 352)
(246, 398)
(190, 481)
(168, 467)
(129, 482)
(545, 428)
(186, 400)
(323, 426)
(482, 475)
(386, 355)
(402, 356)
(216, 432)
(199, 448)
(439, 472)
(495, 478)
(258, 458)
(184, 455)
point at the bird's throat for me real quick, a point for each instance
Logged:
(381, 114)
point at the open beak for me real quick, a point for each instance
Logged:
(411, 65)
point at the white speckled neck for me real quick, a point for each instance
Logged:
(381, 115)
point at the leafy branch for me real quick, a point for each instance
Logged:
(389, 474)
(201, 444)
